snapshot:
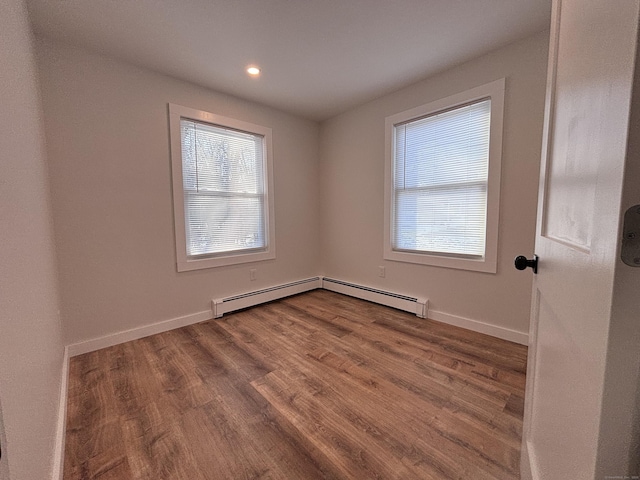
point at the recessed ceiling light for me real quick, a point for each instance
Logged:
(253, 70)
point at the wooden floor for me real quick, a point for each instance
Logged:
(319, 385)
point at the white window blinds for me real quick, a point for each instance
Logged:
(224, 189)
(441, 165)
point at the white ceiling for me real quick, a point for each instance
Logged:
(319, 57)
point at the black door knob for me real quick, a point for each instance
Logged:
(523, 262)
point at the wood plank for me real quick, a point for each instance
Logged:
(315, 386)
(92, 421)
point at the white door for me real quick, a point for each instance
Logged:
(589, 91)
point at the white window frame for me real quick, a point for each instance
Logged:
(184, 263)
(487, 263)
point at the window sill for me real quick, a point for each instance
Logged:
(487, 264)
(185, 264)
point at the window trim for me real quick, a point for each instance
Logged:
(494, 90)
(183, 262)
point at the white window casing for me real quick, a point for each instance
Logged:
(222, 189)
(442, 181)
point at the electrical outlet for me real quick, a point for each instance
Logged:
(381, 271)
(252, 274)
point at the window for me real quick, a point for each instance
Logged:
(222, 187)
(443, 181)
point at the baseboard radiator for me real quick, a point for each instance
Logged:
(238, 302)
(418, 306)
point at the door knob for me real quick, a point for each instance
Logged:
(523, 262)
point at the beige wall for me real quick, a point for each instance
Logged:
(107, 134)
(31, 348)
(352, 180)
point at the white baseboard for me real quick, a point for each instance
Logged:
(528, 463)
(136, 333)
(417, 306)
(421, 308)
(222, 306)
(480, 327)
(61, 427)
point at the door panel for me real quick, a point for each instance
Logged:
(572, 169)
(559, 399)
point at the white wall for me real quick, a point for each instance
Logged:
(352, 181)
(108, 146)
(31, 348)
